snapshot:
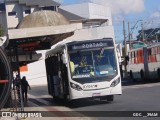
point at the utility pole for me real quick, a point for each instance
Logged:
(143, 37)
(125, 49)
(124, 33)
(156, 37)
(129, 35)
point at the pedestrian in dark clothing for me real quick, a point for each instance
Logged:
(25, 86)
(16, 85)
(17, 81)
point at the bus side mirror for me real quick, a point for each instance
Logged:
(64, 59)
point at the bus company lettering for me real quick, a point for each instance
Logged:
(90, 45)
(89, 86)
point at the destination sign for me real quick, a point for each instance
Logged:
(90, 45)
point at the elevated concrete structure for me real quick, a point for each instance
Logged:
(33, 22)
(42, 31)
(38, 29)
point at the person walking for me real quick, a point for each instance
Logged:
(16, 86)
(25, 86)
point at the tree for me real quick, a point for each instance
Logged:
(1, 30)
(150, 34)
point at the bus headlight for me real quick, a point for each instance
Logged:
(115, 82)
(75, 86)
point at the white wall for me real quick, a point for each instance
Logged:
(36, 74)
(14, 20)
(78, 9)
(89, 11)
(93, 33)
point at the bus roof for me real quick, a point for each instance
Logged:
(148, 46)
(153, 45)
(135, 49)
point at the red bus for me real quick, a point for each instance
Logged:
(144, 63)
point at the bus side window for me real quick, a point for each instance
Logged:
(134, 57)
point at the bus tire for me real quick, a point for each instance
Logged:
(131, 74)
(110, 98)
(142, 75)
(56, 99)
(158, 73)
(65, 98)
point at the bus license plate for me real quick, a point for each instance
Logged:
(96, 94)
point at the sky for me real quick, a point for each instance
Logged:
(146, 11)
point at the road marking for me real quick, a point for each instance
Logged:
(40, 99)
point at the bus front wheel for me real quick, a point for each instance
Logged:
(110, 98)
(56, 99)
(142, 75)
(131, 74)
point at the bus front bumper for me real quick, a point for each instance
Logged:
(75, 94)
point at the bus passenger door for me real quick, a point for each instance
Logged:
(63, 77)
(59, 78)
(56, 78)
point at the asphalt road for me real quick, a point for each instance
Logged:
(135, 99)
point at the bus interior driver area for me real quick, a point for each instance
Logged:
(93, 63)
(83, 69)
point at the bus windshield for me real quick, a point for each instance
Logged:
(93, 63)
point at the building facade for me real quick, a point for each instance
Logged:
(13, 11)
(92, 13)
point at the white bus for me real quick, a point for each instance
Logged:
(84, 69)
(144, 63)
